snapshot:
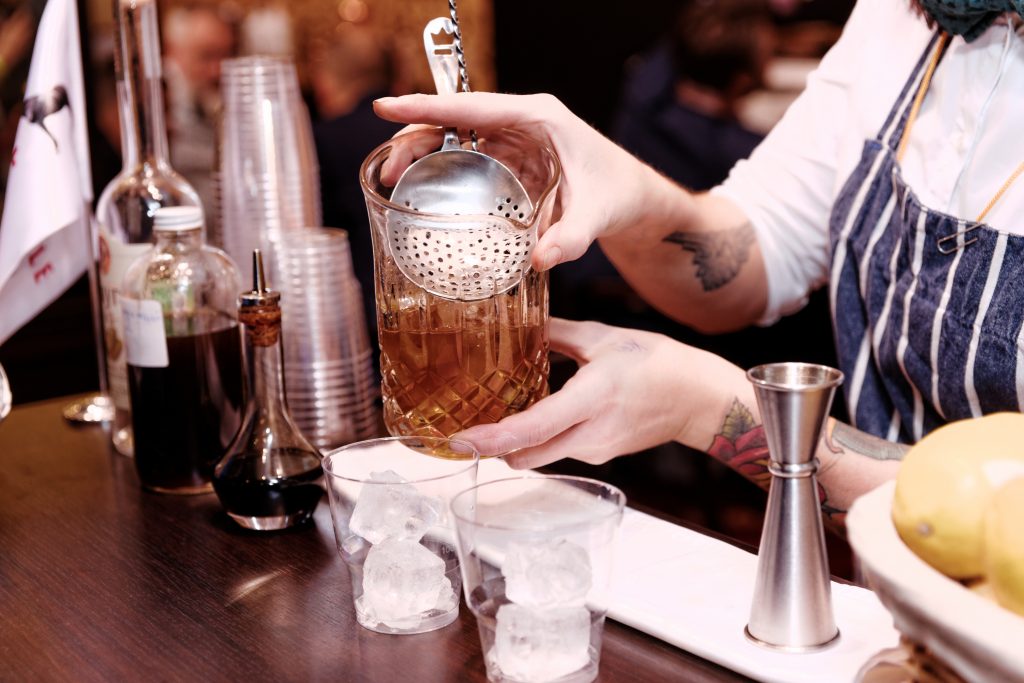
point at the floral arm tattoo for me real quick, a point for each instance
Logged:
(741, 445)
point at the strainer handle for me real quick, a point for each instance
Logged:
(444, 67)
(459, 54)
(463, 72)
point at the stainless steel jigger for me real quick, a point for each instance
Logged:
(792, 606)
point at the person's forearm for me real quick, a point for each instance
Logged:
(851, 462)
(693, 257)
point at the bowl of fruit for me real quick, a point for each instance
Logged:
(943, 546)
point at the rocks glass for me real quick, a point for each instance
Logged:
(389, 502)
(536, 557)
(448, 364)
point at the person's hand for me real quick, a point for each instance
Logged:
(634, 390)
(604, 189)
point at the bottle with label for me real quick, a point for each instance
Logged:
(183, 354)
(146, 183)
(268, 478)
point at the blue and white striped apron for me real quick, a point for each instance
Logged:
(926, 307)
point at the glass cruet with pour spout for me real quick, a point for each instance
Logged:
(268, 478)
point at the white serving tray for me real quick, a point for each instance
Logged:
(694, 592)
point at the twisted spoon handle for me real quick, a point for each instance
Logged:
(463, 72)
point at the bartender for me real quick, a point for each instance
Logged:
(892, 180)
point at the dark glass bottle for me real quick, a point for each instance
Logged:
(183, 356)
(268, 479)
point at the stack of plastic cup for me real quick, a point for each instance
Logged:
(328, 361)
(267, 178)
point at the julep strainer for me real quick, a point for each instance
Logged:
(488, 252)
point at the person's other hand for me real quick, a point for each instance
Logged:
(634, 390)
(602, 189)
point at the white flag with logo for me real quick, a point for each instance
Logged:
(44, 234)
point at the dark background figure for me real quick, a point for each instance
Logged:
(679, 106)
(196, 39)
(346, 79)
(678, 112)
(808, 28)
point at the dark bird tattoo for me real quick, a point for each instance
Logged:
(38, 107)
(717, 255)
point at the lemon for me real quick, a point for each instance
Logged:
(1004, 545)
(944, 486)
(939, 510)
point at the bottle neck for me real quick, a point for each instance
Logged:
(139, 88)
(264, 363)
(178, 240)
(266, 378)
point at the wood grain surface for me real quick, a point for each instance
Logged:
(102, 581)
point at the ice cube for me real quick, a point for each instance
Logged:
(447, 598)
(401, 579)
(534, 645)
(353, 545)
(554, 573)
(392, 508)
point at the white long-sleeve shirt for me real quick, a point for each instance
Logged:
(968, 139)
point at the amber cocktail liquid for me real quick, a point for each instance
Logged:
(454, 364)
(451, 363)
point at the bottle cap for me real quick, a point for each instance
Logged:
(175, 218)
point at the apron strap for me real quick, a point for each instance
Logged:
(892, 130)
(911, 117)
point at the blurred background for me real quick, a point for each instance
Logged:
(690, 86)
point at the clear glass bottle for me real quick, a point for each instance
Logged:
(146, 183)
(183, 354)
(268, 478)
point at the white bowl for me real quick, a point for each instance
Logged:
(978, 639)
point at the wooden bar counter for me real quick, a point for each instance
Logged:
(102, 581)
